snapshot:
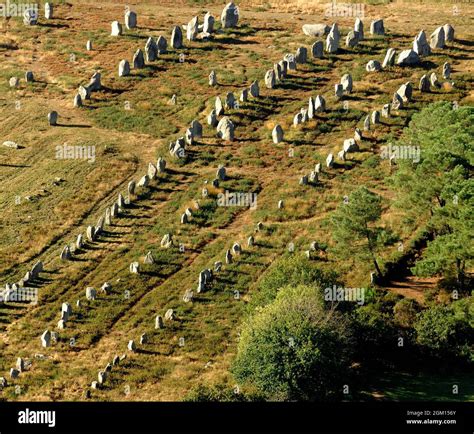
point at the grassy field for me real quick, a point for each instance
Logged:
(130, 123)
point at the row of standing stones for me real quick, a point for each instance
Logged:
(225, 129)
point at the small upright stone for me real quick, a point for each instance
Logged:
(277, 134)
(212, 78)
(116, 28)
(124, 68)
(424, 85)
(389, 59)
(373, 66)
(130, 20)
(317, 50)
(437, 38)
(377, 27)
(270, 79)
(177, 38)
(48, 11)
(53, 118)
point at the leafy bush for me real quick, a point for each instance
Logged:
(290, 271)
(295, 349)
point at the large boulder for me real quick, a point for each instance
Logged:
(408, 58)
(316, 30)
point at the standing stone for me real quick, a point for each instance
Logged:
(77, 101)
(346, 82)
(29, 77)
(318, 168)
(397, 101)
(367, 123)
(116, 29)
(91, 293)
(446, 70)
(14, 82)
(120, 201)
(386, 110)
(301, 55)
(219, 107)
(332, 44)
(134, 268)
(277, 134)
(225, 129)
(373, 66)
(192, 29)
(124, 68)
(319, 104)
(298, 119)
(283, 67)
(170, 315)
(212, 78)
(352, 39)
(46, 339)
(158, 322)
(448, 33)
(130, 20)
(143, 339)
(161, 165)
(89, 45)
(375, 117)
(317, 50)
(408, 58)
(151, 51)
(95, 83)
(359, 28)
(250, 241)
(149, 259)
(389, 59)
(341, 155)
(79, 242)
(420, 44)
(196, 128)
(131, 188)
(270, 79)
(405, 91)
(189, 137)
(161, 45)
(212, 119)
(209, 21)
(131, 346)
(221, 173)
(138, 59)
(280, 204)
(66, 254)
(84, 92)
(434, 80)
(184, 219)
(278, 72)
(176, 38)
(244, 95)
(237, 249)
(20, 364)
(330, 161)
(30, 16)
(350, 145)
(290, 59)
(377, 28)
(151, 171)
(338, 90)
(310, 110)
(230, 101)
(48, 11)
(53, 118)
(14, 373)
(437, 38)
(106, 288)
(254, 89)
(228, 257)
(230, 16)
